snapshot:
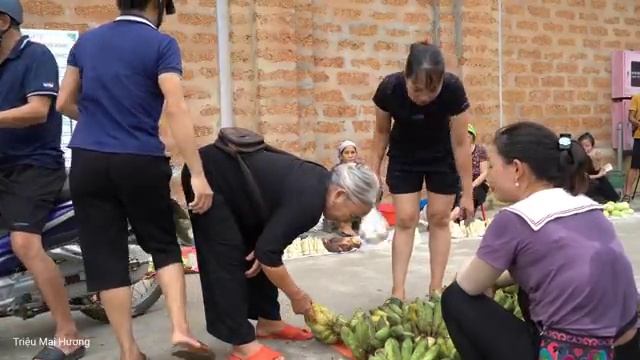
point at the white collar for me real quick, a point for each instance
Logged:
(546, 205)
(135, 18)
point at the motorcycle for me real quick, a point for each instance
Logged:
(19, 295)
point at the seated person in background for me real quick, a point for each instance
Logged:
(347, 153)
(600, 189)
(479, 170)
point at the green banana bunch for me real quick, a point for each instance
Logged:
(323, 324)
(392, 349)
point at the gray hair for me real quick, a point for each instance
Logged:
(360, 183)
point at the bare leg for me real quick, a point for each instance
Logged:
(438, 214)
(407, 215)
(171, 279)
(117, 303)
(631, 181)
(28, 248)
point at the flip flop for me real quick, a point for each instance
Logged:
(187, 351)
(290, 333)
(54, 353)
(265, 353)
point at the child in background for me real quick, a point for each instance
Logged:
(600, 189)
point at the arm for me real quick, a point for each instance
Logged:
(462, 151)
(67, 102)
(380, 138)
(484, 170)
(179, 121)
(33, 113)
(477, 277)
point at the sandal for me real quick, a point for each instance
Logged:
(290, 333)
(54, 353)
(265, 353)
(185, 350)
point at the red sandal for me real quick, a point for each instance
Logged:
(265, 353)
(290, 333)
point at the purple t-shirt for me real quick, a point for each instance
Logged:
(574, 270)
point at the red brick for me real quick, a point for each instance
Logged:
(209, 110)
(578, 56)
(599, 4)
(541, 67)
(552, 27)
(100, 13)
(578, 81)
(319, 76)
(529, 54)
(351, 14)
(566, 14)
(585, 95)
(612, 20)
(527, 81)
(66, 26)
(552, 56)
(589, 16)
(553, 81)
(288, 4)
(567, 41)
(327, 27)
(372, 63)
(44, 7)
(527, 25)
(397, 32)
(329, 96)
(516, 96)
(385, 46)
(196, 19)
(352, 45)
(395, 2)
(334, 62)
(591, 70)
(621, 32)
(416, 18)
(567, 68)
(556, 110)
(363, 30)
(513, 67)
(329, 127)
(620, 7)
(601, 82)
(578, 29)
(564, 95)
(576, 2)
(339, 111)
(599, 31)
(602, 109)
(531, 112)
(383, 15)
(632, 21)
(204, 38)
(279, 109)
(580, 110)
(539, 96)
(539, 11)
(353, 78)
(591, 43)
(364, 126)
(542, 40)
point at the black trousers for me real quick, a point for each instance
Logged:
(481, 329)
(230, 299)
(111, 190)
(601, 190)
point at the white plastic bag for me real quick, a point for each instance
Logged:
(374, 227)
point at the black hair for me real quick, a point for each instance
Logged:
(129, 5)
(425, 63)
(539, 148)
(587, 136)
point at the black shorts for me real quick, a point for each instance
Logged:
(402, 179)
(27, 195)
(635, 155)
(109, 189)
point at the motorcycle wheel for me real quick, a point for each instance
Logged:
(142, 300)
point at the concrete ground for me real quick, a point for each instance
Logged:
(342, 282)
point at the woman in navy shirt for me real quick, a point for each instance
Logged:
(120, 74)
(428, 142)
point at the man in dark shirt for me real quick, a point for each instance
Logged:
(240, 249)
(31, 162)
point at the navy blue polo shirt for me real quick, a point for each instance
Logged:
(120, 101)
(30, 70)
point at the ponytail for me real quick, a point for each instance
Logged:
(574, 163)
(540, 148)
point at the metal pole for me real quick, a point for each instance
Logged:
(620, 130)
(224, 64)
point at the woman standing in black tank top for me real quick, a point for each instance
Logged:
(427, 142)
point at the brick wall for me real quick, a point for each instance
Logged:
(304, 71)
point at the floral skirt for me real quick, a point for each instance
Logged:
(556, 345)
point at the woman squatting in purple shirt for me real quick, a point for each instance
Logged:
(576, 283)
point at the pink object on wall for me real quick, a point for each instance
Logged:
(620, 114)
(625, 74)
